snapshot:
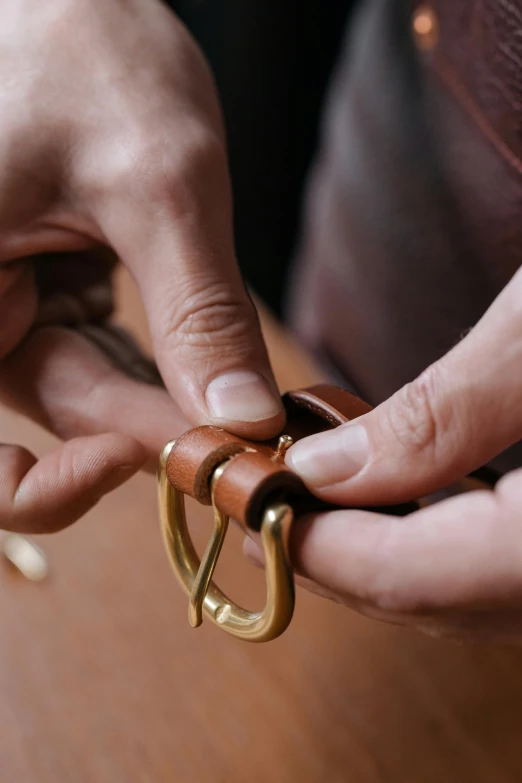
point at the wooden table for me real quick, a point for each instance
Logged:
(102, 680)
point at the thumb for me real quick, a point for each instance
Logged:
(460, 413)
(175, 234)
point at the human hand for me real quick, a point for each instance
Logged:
(112, 145)
(451, 569)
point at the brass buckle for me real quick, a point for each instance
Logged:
(195, 576)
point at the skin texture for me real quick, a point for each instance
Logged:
(112, 147)
(452, 569)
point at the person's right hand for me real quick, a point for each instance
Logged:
(112, 145)
(453, 568)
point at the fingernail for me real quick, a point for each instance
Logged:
(241, 396)
(330, 457)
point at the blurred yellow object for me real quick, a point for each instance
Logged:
(25, 555)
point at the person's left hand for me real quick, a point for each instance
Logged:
(452, 569)
(112, 145)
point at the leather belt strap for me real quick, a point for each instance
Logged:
(255, 474)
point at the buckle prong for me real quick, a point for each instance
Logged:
(206, 599)
(209, 559)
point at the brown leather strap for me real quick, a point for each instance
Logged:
(255, 475)
(325, 402)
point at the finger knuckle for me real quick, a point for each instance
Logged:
(209, 317)
(112, 167)
(181, 173)
(154, 159)
(172, 173)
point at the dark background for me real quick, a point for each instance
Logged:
(272, 60)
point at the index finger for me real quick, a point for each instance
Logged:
(46, 495)
(461, 552)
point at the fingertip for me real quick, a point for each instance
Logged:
(66, 483)
(123, 456)
(329, 458)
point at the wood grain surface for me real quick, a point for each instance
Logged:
(103, 681)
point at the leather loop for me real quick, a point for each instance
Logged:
(319, 408)
(250, 483)
(194, 457)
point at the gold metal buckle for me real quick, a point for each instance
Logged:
(196, 577)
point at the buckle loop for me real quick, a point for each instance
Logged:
(206, 599)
